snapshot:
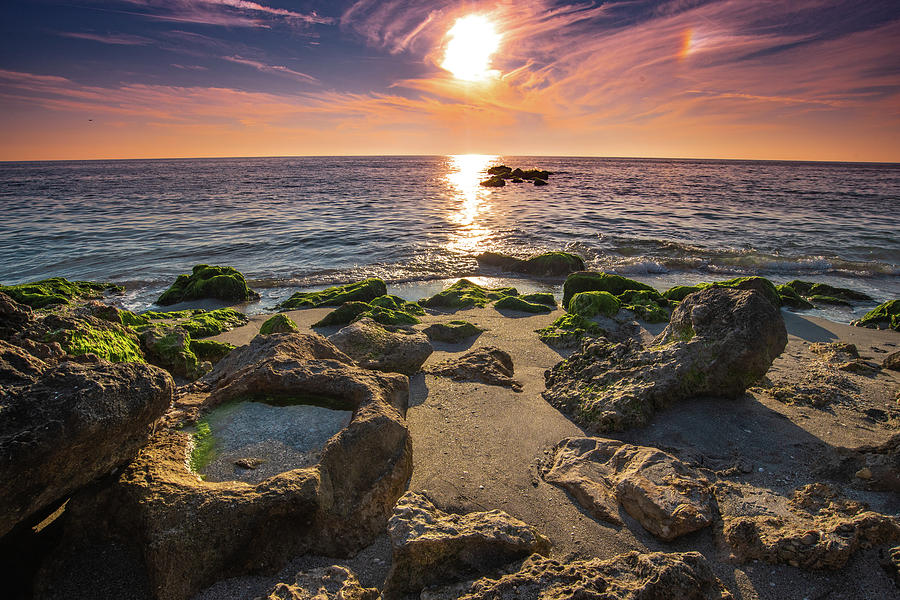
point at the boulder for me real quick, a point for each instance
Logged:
(430, 546)
(465, 294)
(590, 281)
(325, 583)
(17, 366)
(56, 291)
(452, 332)
(629, 576)
(719, 341)
(205, 281)
(545, 264)
(519, 303)
(374, 347)
(495, 181)
(591, 304)
(883, 316)
(891, 361)
(63, 427)
(13, 316)
(809, 289)
(360, 291)
(170, 348)
(568, 331)
(194, 532)
(279, 323)
(487, 364)
(815, 529)
(667, 497)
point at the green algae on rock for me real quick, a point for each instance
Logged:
(545, 298)
(647, 306)
(790, 297)
(343, 314)
(398, 303)
(591, 281)
(495, 181)
(130, 319)
(452, 331)
(171, 349)
(203, 449)
(361, 291)
(760, 284)
(809, 289)
(591, 304)
(883, 316)
(386, 310)
(210, 350)
(465, 294)
(520, 304)
(214, 322)
(568, 330)
(545, 264)
(279, 323)
(112, 343)
(206, 281)
(56, 291)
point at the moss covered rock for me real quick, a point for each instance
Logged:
(56, 291)
(344, 314)
(545, 298)
(495, 181)
(545, 264)
(591, 304)
(398, 303)
(130, 319)
(214, 322)
(170, 348)
(361, 291)
(279, 323)
(465, 294)
(206, 281)
(760, 284)
(680, 292)
(210, 350)
(93, 336)
(647, 306)
(883, 316)
(569, 330)
(522, 305)
(452, 332)
(809, 289)
(790, 297)
(590, 281)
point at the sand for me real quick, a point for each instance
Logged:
(476, 447)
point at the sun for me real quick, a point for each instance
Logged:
(473, 41)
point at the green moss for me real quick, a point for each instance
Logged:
(279, 323)
(588, 281)
(545, 298)
(387, 310)
(172, 349)
(210, 350)
(386, 316)
(465, 294)
(361, 291)
(761, 284)
(551, 263)
(205, 281)
(591, 304)
(518, 303)
(820, 299)
(569, 329)
(109, 344)
(129, 319)
(204, 449)
(398, 303)
(790, 297)
(885, 315)
(680, 292)
(214, 322)
(809, 289)
(56, 291)
(343, 314)
(454, 331)
(648, 306)
(175, 314)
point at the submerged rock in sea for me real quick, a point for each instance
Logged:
(205, 281)
(719, 341)
(667, 497)
(374, 347)
(324, 583)
(545, 264)
(816, 528)
(431, 547)
(883, 316)
(65, 426)
(193, 532)
(629, 576)
(452, 332)
(465, 294)
(487, 365)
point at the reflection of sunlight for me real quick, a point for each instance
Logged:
(465, 172)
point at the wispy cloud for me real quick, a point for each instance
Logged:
(276, 69)
(229, 13)
(115, 39)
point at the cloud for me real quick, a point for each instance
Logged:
(114, 39)
(279, 70)
(228, 13)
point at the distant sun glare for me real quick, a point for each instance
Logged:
(473, 41)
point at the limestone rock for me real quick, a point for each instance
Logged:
(430, 546)
(374, 347)
(815, 529)
(719, 341)
(877, 465)
(327, 583)
(891, 361)
(487, 364)
(629, 576)
(666, 496)
(18, 367)
(452, 331)
(69, 425)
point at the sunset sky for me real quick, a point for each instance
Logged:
(804, 79)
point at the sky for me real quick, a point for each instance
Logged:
(754, 79)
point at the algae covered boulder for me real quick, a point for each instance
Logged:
(495, 181)
(465, 294)
(590, 281)
(452, 331)
(810, 289)
(568, 331)
(56, 291)
(520, 304)
(279, 323)
(592, 304)
(760, 284)
(170, 348)
(790, 297)
(214, 322)
(360, 291)
(545, 264)
(387, 310)
(883, 316)
(90, 335)
(206, 281)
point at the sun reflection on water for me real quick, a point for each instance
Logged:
(465, 173)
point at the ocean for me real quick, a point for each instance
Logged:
(419, 222)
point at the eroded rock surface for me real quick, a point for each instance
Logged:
(718, 342)
(374, 347)
(487, 364)
(666, 496)
(327, 583)
(875, 466)
(430, 546)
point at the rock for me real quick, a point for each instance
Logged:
(647, 306)
(591, 304)
(171, 349)
(279, 323)
(629, 576)
(213, 322)
(568, 331)
(539, 182)
(718, 342)
(495, 181)
(487, 364)
(387, 310)
(883, 316)
(374, 347)
(877, 465)
(63, 427)
(834, 352)
(500, 170)
(205, 281)
(430, 546)
(13, 315)
(808, 289)
(891, 361)
(452, 332)
(210, 350)
(249, 463)
(56, 291)
(17, 366)
(667, 497)
(193, 532)
(465, 294)
(815, 529)
(518, 303)
(760, 284)
(326, 583)
(589, 281)
(890, 562)
(361, 291)
(789, 297)
(545, 264)
(90, 335)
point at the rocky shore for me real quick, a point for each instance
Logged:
(698, 442)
